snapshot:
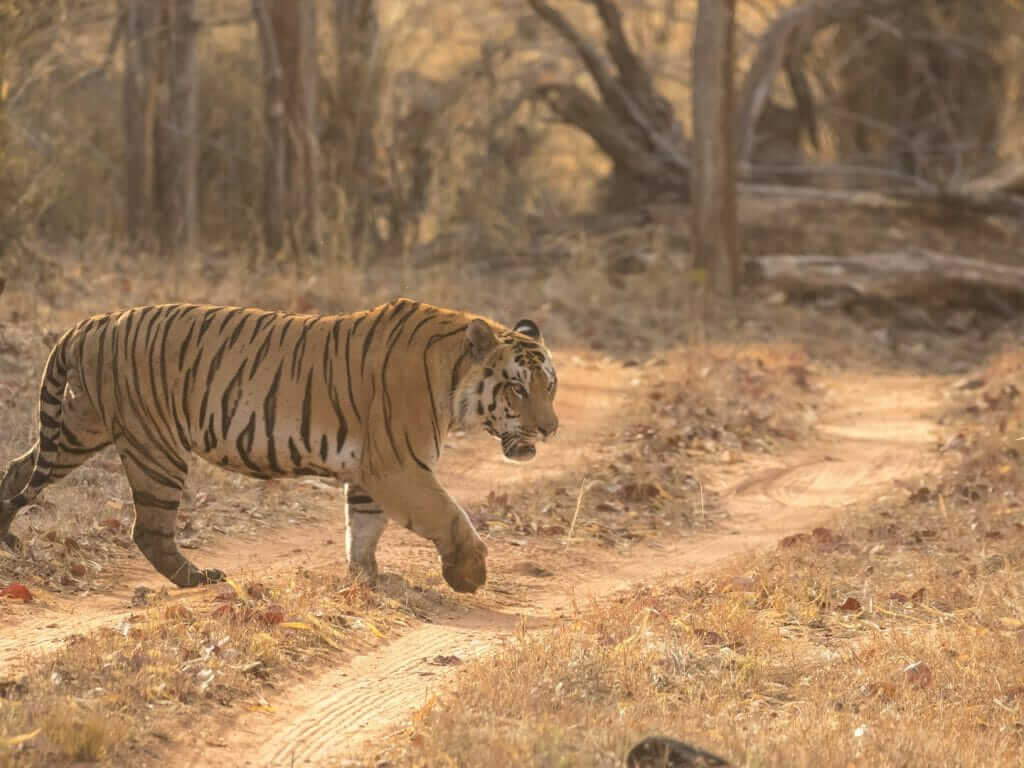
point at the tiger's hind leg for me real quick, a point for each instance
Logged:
(364, 523)
(82, 435)
(156, 491)
(14, 481)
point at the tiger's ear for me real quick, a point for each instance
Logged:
(481, 339)
(528, 328)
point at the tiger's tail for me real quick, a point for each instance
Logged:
(51, 398)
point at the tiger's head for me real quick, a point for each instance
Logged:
(510, 387)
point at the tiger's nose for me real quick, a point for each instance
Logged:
(549, 429)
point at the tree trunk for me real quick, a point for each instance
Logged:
(136, 113)
(291, 160)
(176, 164)
(714, 158)
(356, 109)
(160, 120)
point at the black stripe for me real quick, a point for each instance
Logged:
(434, 419)
(285, 326)
(100, 370)
(204, 324)
(307, 412)
(144, 499)
(244, 444)
(264, 317)
(349, 372)
(323, 447)
(392, 342)
(332, 393)
(70, 438)
(430, 315)
(229, 400)
(238, 330)
(369, 340)
(408, 444)
(270, 417)
(152, 473)
(210, 373)
(359, 499)
(186, 390)
(184, 346)
(299, 352)
(261, 354)
(227, 318)
(293, 449)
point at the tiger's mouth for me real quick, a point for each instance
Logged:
(517, 449)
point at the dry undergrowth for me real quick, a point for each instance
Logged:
(694, 408)
(118, 693)
(897, 640)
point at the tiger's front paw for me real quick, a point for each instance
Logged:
(197, 577)
(466, 569)
(211, 576)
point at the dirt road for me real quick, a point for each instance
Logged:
(875, 429)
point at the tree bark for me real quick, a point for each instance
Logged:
(357, 106)
(136, 113)
(177, 129)
(714, 159)
(287, 30)
(160, 121)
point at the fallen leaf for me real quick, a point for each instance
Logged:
(17, 591)
(256, 590)
(226, 610)
(226, 592)
(850, 604)
(445, 661)
(274, 614)
(1010, 622)
(918, 673)
(708, 636)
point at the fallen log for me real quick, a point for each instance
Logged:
(919, 275)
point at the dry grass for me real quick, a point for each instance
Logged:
(896, 639)
(118, 693)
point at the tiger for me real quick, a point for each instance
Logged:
(365, 399)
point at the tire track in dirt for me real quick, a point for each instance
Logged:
(877, 430)
(591, 393)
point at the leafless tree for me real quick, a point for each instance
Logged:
(714, 157)
(160, 115)
(287, 32)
